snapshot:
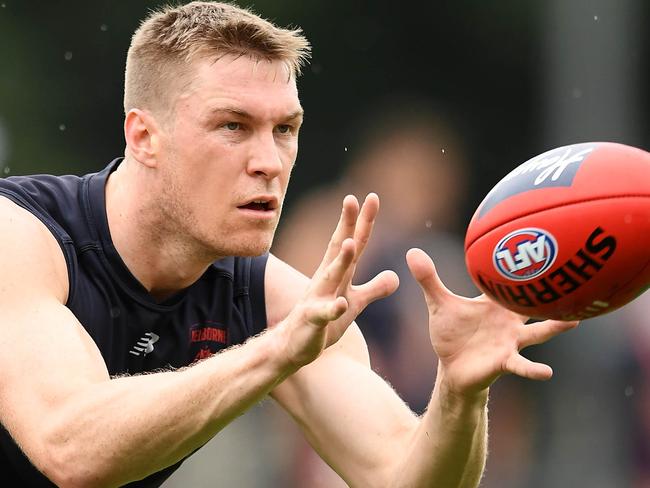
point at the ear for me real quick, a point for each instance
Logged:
(142, 136)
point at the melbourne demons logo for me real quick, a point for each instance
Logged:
(524, 254)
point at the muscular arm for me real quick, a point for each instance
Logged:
(79, 427)
(359, 425)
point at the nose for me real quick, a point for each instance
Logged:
(265, 159)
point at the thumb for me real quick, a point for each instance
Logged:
(323, 312)
(381, 286)
(424, 272)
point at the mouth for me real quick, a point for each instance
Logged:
(262, 204)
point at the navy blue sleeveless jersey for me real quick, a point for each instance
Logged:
(134, 333)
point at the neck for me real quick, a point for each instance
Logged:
(159, 258)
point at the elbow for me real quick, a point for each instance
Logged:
(68, 471)
(69, 463)
(395, 458)
(402, 455)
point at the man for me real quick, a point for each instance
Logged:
(130, 271)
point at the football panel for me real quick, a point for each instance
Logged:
(609, 170)
(600, 258)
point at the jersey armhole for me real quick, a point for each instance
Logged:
(257, 298)
(61, 236)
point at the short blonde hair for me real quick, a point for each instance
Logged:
(168, 40)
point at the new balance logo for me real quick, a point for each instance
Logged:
(145, 345)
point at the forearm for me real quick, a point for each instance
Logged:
(449, 447)
(127, 428)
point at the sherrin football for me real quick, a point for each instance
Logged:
(565, 235)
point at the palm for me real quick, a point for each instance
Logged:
(477, 340)
(475, 353)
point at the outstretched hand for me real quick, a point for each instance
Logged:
(476, 339)
(332, 302)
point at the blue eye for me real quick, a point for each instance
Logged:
(232, 126)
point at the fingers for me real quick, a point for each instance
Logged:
(344, 228)
(521, 366)
(365, 223)
(536, 333)
(424, 271)
(540, 332)
(363, 230)
(354, 223)
(382, 285)
(329, 279)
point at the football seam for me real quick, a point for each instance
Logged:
(543, 209)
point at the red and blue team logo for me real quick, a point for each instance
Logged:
(525, 254)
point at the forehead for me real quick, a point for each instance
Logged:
(263, 88)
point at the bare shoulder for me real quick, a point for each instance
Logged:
(37, 331)
(31, 256)
(284, 286)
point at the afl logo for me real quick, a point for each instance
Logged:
(525, 254)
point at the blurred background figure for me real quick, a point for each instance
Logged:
(408, 154)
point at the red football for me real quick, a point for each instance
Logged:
(565, 235)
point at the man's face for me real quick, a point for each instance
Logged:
(227, 153)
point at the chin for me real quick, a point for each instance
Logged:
(248, 246)
(239, 240)
(253, 250)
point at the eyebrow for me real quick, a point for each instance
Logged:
(298, 114)
(246, 115)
